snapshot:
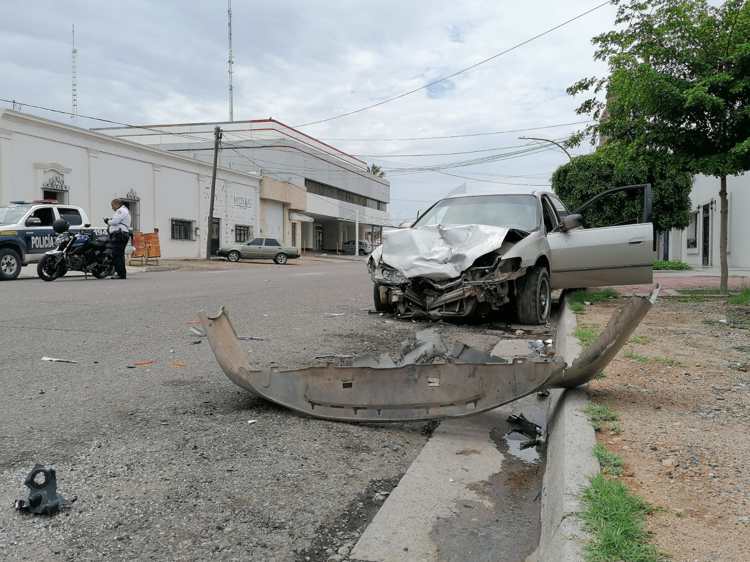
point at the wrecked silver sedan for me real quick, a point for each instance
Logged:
(475, 254)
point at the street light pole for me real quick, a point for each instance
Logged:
(217, 142)
(557, 144)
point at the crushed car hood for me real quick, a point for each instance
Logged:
(439, 252)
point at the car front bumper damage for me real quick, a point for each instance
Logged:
(454, 387)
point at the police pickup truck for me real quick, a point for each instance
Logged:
(26, 232)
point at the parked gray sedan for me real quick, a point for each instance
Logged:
(259, 248)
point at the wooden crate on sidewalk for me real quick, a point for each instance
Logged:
(153, 249)
(138, 257)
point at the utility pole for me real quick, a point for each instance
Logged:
(217, 141)
(356, 232)
(74, 77)
(230, 61)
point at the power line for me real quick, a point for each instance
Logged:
(459, 136)
(428, 154)
(458, 72)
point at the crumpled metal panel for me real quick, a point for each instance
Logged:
(439, 252)
(411, 392)
(402, 393)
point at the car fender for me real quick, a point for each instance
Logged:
(529, 249)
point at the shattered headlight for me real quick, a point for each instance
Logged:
(391, 275)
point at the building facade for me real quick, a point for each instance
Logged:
(166, 192)
(698, 244)
(340, 193)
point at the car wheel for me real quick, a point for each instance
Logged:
(280, 258)
(533, 297)
(378, 302)
(10, 264)
(234, 255)
(48, 269)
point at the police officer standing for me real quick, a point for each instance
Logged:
(119, 234)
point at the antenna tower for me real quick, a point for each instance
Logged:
(230, 60)
(74, 77)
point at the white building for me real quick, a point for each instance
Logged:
(339, 192)
(166, 191)
(698, 244)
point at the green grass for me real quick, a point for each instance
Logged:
(616, 519)
(742, 298)
(615, 428)
(600, 415)
(586, 334)
(611, 463)
(640, 340)
(600, 375)
(578, 307)
(671, 265)
(636, 356)
(668, 361)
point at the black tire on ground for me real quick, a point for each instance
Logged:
(533, 296)
(10, 264)
(103, 271)
(377, 302)
(48, 269)
(280, 258)
(234, 255)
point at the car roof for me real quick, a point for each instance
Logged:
(496, 190)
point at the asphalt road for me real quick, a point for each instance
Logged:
(162, 458)
(154, 440)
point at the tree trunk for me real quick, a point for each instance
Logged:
(723, 235)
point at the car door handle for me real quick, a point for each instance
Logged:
(636, 241)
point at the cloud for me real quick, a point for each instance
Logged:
(148, 61)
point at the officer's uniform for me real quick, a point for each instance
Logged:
(119, 234)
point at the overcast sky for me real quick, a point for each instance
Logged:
(161, 61)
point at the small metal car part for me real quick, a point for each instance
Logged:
(43, 497)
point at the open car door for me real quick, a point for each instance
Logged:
(618, 254)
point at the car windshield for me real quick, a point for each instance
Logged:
(517, 211)
(11, 215)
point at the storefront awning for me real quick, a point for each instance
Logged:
(300, 217)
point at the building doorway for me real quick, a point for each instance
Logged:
(294, 235)
(706, 236)
(215, 236)
(318, 237)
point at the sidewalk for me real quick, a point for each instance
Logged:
(673, 281)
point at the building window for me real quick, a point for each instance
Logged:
(342, 195)
(182, 229)
(242, 233)
(692, 231)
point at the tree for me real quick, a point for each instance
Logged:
(678, 86)
(615, 165)
(376, 170)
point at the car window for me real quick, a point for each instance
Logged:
(272, 242)
(550, 218)
(11, 215)
(559, 207)
(255, 242)
(45, 214)
(517, 211)
(72, 216)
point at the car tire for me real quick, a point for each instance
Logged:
(234, 256)
(378, 303)
(10, 264)
(533, 296)
(280, 258)
(49, 271)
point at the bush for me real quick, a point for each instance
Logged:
(671, 265)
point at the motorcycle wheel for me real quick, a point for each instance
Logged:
(103, 271)
(49, 269)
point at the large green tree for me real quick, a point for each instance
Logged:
(615, 165)
(679, 86)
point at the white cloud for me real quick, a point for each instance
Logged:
(160, 61)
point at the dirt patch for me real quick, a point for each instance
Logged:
(684, 411)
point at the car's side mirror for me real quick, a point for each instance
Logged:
(571, 221)
(33, 221)
(87, 225)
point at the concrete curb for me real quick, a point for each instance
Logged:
(570, 463)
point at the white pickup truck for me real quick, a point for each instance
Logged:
(26, 232)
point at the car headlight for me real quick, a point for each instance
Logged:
(392, 275)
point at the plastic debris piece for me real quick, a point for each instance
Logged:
(251, 422)
(333, 314)
(43, 497)
(177, 364)
(250, 338)
(58, 360)
(198, 332)
(196, 342)
(146, 363)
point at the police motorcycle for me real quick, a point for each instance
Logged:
(82, 251)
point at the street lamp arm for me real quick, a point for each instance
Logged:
(557, 144)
